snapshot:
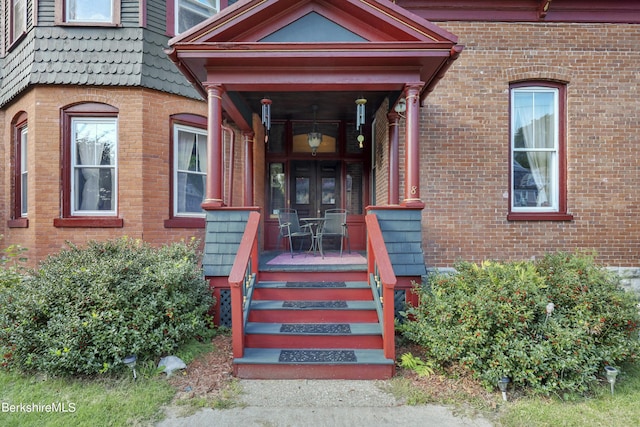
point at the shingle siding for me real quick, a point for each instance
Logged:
(402, 233)
(157, 16)
(224, 232)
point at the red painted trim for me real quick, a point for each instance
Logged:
(561, 214)
(394, 158)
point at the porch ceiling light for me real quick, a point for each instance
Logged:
(314, 138)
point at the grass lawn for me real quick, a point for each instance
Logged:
(603, 409)
(75, 402)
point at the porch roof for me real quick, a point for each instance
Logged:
(370, 48)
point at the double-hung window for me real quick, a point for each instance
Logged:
(24, 171)
(94, 163)
(537, 148)
(20, 173)
(89, 166)
(189, 170)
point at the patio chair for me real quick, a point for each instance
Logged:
(290, 228)
(334, 225)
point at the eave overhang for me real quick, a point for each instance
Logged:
(387, 48)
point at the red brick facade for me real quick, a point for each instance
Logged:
(465, 143)
(143, 166)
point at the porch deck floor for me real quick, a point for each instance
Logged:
(300, 262)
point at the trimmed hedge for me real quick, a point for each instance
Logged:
(85, 309)
(492, 318)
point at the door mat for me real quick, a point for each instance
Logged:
(316, 328)
(316, 285)
(306, 258)
(317, 356)
(315, 304)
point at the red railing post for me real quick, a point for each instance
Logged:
(377, 256)
(246, 260)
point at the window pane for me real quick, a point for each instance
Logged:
(190, 168)
(193, 12)
(534, 180)
(94, 161)
(277, 138)
(276, 188)
(534, 119)
(354, 185)
(19, 17)
(89, 11)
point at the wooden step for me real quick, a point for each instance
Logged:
(312, 291)
(271, 363)
(336, 311)
(314, 335)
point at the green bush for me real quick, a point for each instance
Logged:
(11, 265)
(85, 309)
(493, 320)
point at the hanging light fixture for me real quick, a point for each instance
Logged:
(266, 117)
(360, 119)
(314, 138)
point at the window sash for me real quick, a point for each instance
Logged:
(190, 171)
(189, 13)
(94, 166)
(19, 18)
(89, 11)
(24, 173)
(534, 149)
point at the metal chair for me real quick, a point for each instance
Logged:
(290, 228)
(334, 225)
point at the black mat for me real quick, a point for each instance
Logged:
(315, 304)
(316, 328)
(320, 356)
(316, 285)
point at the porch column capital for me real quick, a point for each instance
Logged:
(412, 151)
(215, 168)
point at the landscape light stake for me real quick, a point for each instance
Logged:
(130, 361)
(502, 385)
(612, 373)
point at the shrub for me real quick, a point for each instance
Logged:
(85, 309)
(11, 265)
(493, 320)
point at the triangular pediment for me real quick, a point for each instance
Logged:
(312, 28)
(310, 21)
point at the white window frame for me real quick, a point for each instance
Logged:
(24, 173)
(113, 9)
(194, 6)
(553, 195)
(75, 167)
(177, 128)
(18, 18)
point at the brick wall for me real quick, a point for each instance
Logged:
(465, 143)
(143, 174)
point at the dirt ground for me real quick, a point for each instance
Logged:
(210, 375)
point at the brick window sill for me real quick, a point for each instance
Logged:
(18, 223)
(546, 216)
(89, 222)
(184, 223)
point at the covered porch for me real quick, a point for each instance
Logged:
(279, 72)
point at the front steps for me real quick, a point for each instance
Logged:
(300, 327)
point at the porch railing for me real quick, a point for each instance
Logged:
(383, 282)
(242, 279)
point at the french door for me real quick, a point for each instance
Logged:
(315, 186)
